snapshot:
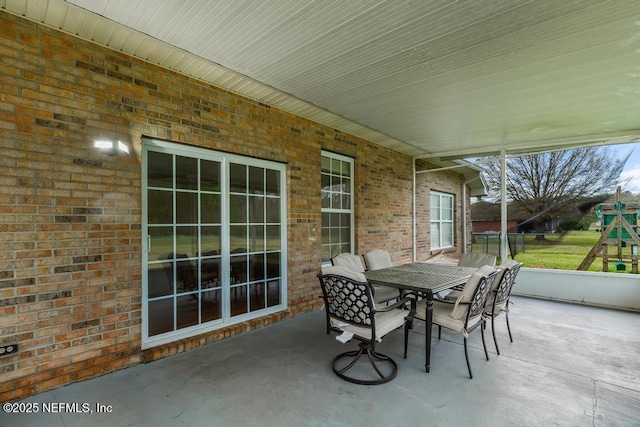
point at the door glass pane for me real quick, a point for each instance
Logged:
(239, 267)
(187, 310)
(210, 208)
(273, 293)
(256, 296)
(256, 267)
(187, 241)
(238, 300)
(211, 305)
(237, 178)
(160, 277)
(238, 238)
(209, 175)
(186, 208)
(273, 238)
(210, 273)
(160, 206)
(160, 316)
(186, 173)
(238, 208)
(210, 240)
(186, 279)
(159, 170)
(161, 241)
(273, 264)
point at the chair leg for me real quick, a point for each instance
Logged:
(484, 345)
(406, 338)
(439, 331)
(466, 356)
(506, 315)
(493, 331)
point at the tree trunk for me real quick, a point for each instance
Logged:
(540, 230)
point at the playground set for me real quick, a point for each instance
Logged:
(619, 230)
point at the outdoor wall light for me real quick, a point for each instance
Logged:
(110, 147)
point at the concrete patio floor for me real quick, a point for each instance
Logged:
(569, 365)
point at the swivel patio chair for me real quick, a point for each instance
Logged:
(381, 294)
(466, 313)
(498, 301)
(352, 312)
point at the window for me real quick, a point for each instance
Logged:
(337, 205)
(215, 227)
(441, 217)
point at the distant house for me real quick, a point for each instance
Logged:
(485, 216)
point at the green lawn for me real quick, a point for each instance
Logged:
(562, 251)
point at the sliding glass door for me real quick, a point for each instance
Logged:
(215, 250)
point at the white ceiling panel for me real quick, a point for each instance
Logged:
(439, 77)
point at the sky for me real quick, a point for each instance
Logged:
(632, 168)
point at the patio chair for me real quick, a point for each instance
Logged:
(381, 294)
(498, 301)
(477, 260)
(377, 259)
(466, 313)
(352, 312)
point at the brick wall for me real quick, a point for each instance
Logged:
(446, 181)
(70, 259)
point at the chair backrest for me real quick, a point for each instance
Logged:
(477, 260)
(475, 291)
(377, 259)
(349, 261)
(503, 283)
(348, 297)
(479, 299)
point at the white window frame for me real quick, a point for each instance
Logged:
(440, 221)
(225, 159)
(350, 210)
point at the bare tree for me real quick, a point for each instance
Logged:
(546, 185)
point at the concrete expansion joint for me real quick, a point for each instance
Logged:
(594, 405)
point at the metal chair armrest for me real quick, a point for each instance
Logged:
(399, 304)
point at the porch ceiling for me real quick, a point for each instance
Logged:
(439, 78)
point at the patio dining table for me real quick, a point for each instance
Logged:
(425, 279)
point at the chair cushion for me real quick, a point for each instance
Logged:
(442, 316)
(385, 322)
(460, 311)
(377, 259)
(477, 260)
(349, 261)
(344, 272)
